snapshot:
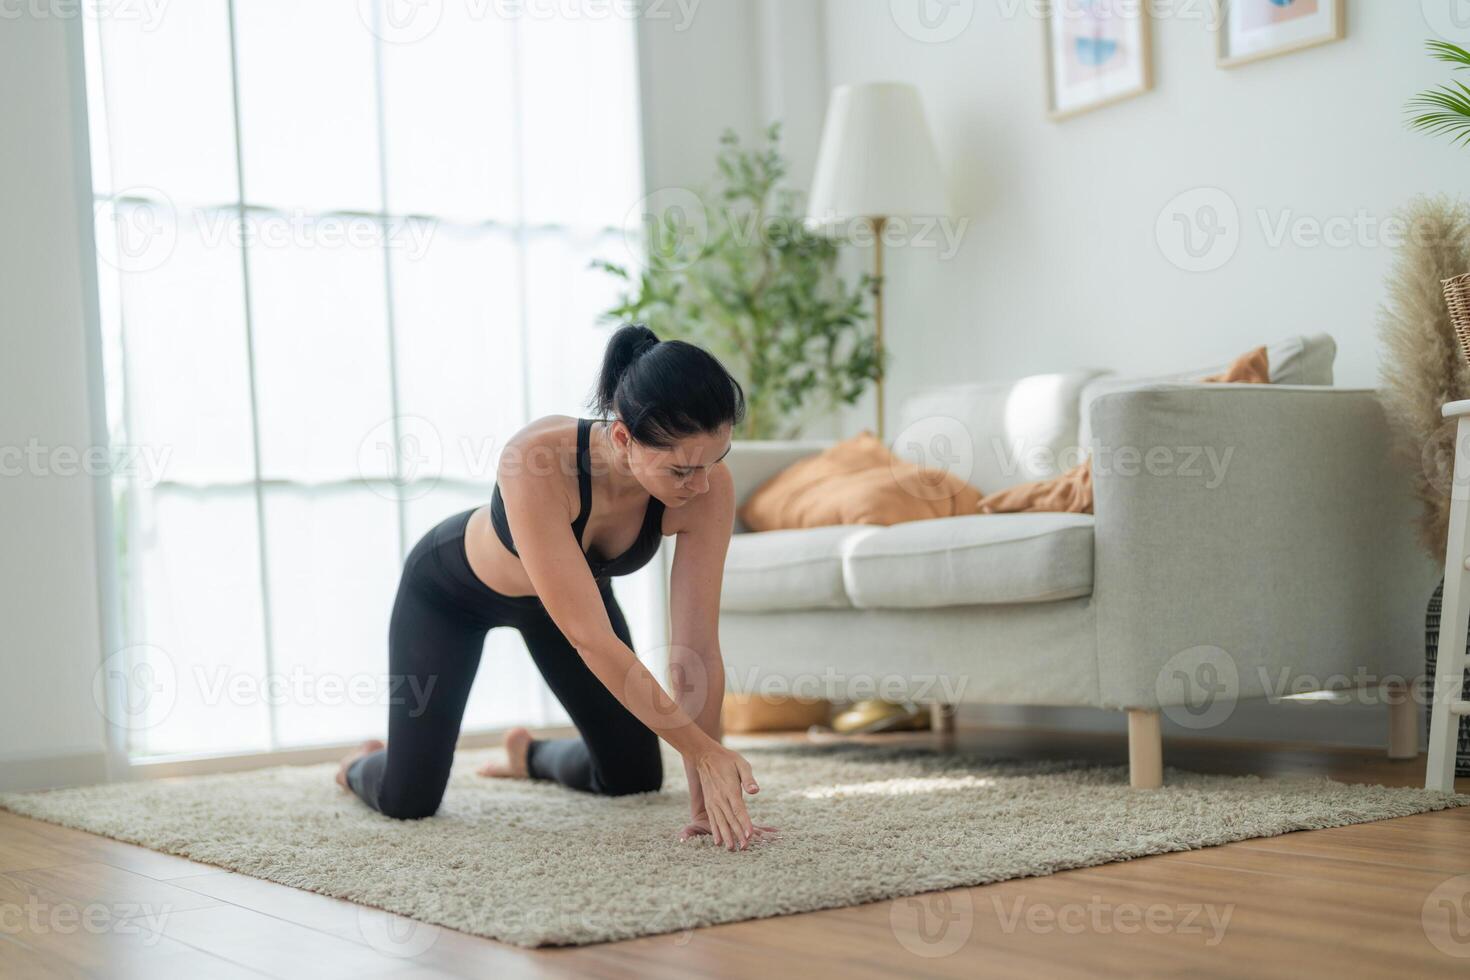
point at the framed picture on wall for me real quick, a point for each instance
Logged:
(1097, 52)
(1249, 30)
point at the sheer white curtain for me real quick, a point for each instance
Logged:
(343, 256)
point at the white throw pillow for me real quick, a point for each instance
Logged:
(995, 434)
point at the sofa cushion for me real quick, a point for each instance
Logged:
(794, 568)
(994, 434)
(1291, 361)
(983, 559)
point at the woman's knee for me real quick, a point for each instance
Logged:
(643, 774)
(410, 803)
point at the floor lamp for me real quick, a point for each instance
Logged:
(877, 165)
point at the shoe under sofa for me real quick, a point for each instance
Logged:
(1242, 535)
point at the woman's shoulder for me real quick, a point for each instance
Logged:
(544, 447)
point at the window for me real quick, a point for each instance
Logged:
(343, 255)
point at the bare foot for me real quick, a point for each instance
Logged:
(517, 741)
(366, 748)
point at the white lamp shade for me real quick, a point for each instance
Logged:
(877, 158)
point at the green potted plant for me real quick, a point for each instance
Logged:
(735, 269)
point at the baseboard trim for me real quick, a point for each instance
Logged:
(171, 766)
(50, 772)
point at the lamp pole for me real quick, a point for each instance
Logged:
(878, 225)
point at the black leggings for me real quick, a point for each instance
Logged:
(435, 638)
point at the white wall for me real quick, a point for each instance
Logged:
(1060, 266)
(50, 729)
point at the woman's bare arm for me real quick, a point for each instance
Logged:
(696, 666)
(540, 523)
(539, 514)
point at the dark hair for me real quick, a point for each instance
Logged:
(664, 390)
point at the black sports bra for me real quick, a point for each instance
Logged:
(638, 555)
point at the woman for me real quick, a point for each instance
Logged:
(648, 467)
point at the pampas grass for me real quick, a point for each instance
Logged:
(1422, 367)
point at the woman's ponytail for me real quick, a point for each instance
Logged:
(664, 390)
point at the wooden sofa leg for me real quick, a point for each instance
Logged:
(941, 718)
(1145, 749)
(1403, 722)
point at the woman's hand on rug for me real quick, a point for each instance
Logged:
(724, 776)
(699, 826)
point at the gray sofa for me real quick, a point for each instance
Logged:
(1247, 540)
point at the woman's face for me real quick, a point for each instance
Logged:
(680, 473)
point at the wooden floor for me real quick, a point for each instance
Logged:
(1362, 901)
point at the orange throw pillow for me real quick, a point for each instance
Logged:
(1249, 367)
(855, 481)
(1071, 492)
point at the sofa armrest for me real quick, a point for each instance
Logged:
(754, 461)
(1260, 529)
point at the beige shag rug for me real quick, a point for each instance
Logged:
(535, 864)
